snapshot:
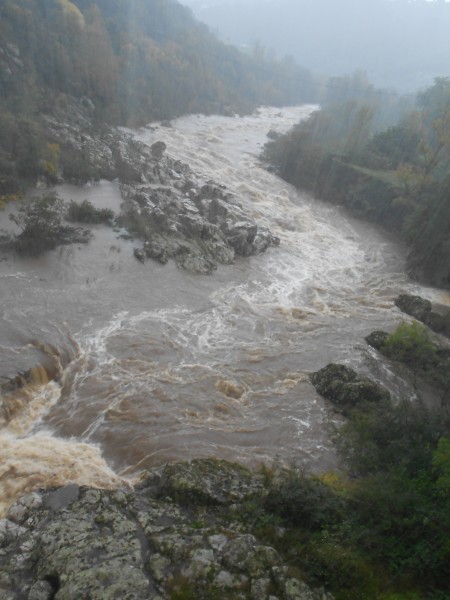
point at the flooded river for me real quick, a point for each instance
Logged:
(154, 364)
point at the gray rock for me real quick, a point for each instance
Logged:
(342, 386)
(201, 564)
(41, 590)
(10, 531)
(62, 497)
(158, 149)
(438, 319)
(218, 542)
(174, 531)
(377, 339)
(237, 551)
(159, 567)
(156, 251)
(209, 482)
(260, 588)
(139, 254)
(415, 306)
(228, 581)
(19, 511)
(293, 589)
(199, 265)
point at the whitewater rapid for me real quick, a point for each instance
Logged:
(155, 364)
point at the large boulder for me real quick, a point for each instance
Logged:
(347, 390)
(437, 318)
(177, 535)
(417, 307)
(377, 339)
(158, 149)
(208, 481)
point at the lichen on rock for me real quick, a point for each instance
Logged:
(174, 534)
(342, 386)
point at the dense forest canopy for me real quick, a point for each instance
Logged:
(131, 60)
(135, 59)
(391, 170)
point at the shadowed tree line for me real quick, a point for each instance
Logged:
(386, 160)
(130, 61)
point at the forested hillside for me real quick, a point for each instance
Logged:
(393, 172)
(129, 61)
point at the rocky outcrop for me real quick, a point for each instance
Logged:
(198, 225)
(437, 319)
(178, 535)
(347, 390)
(417, 307)
(176, 214)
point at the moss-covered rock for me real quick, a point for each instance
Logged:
(436, 318)
(342, 386)
(417, 307)
(377, 339)
(175, 536)
(209, 481)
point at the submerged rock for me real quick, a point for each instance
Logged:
(158, 149)
(342, 386)
(176, 535)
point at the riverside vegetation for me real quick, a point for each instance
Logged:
(129, 62)
(384, 166)
(397, 453)
(379, 529)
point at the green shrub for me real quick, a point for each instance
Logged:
(399, 507)
(87, 213)
(42, 227)
(411, 343)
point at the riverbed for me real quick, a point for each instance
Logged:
(155, 364)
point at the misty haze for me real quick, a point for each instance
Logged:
(400, 44)
(225, 309)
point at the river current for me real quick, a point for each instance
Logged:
(155, 364)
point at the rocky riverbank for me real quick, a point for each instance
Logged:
(173, 212)
(179, 534)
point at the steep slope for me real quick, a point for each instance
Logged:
(129, 61)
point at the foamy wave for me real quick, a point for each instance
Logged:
(43, 461)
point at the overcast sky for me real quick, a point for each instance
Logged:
(403, 44)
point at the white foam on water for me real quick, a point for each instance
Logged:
(170, 366)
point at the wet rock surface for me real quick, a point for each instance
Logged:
(377, 339)
(342, 386)
(175, 213)
(177, 532)
(436, 318)
(198, 225)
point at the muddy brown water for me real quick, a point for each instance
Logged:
(156, 364)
